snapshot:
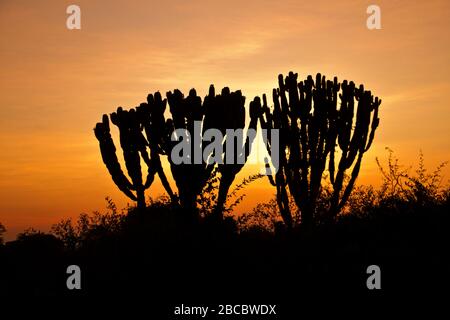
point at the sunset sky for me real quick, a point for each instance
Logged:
(56, 83)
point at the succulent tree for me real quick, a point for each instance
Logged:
(311, 126)
(146, 134)
(237, 147)
(153, 123)
(189, 177)
(218, 112)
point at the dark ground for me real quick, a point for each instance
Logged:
(161, 255)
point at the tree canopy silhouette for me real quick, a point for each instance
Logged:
(146, 134)
(311, 126)
(310, 123)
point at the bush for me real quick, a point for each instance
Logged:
(2, 231)
(89, 227)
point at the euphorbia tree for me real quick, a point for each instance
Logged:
(146, 134)
(312, 124)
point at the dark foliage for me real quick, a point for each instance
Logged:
(2, 231)
(402, 227)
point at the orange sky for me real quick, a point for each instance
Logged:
(56, 83)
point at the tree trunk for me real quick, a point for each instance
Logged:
(140, 198)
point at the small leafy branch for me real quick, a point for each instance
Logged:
(207, 199)
(421, 188)
(239, 187)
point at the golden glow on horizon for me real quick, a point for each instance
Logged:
(56, 83)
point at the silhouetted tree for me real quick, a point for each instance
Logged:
(220, 112)
(148, 117)
(311, 126)
(146, 128)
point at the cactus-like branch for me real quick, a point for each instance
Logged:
(148, 118)
(221, 112)
(108, 151)
(311, 126)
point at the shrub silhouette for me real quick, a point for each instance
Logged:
(402, 192)
(311, 125)
(2, 231)
(420, 189)
(145, 127)
(90, 227)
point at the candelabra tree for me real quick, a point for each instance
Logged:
(191, 174)
(311, 126)
(148, 118)
(237, 144)
(217, 112)
(146, 134)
